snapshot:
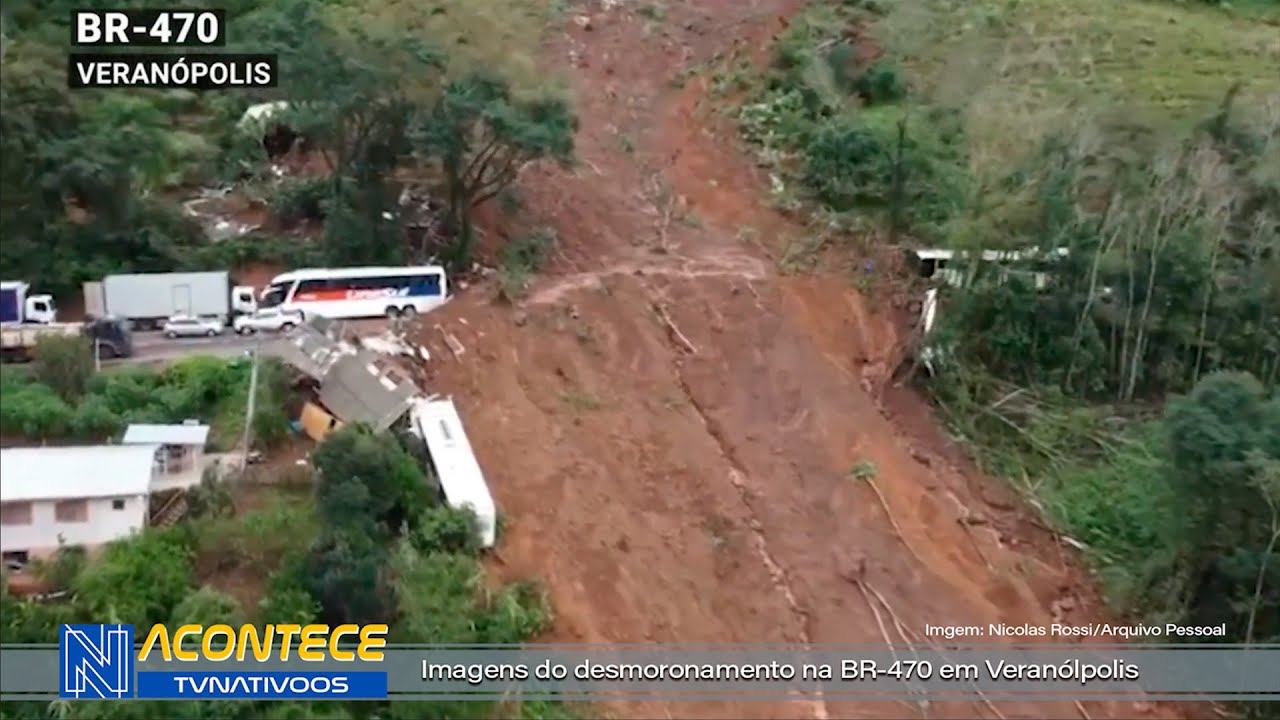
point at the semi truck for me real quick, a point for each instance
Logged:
(110, 336)
(18, 305)
(146, 300)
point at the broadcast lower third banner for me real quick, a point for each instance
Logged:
(105, 663)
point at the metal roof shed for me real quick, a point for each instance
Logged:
(437, 422)
(144, 434)
(57, 473)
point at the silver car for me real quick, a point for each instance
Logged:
(267, 319)
(190, 326)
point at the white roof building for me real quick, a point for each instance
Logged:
(85, 496)
(143, 434)
(57, 473)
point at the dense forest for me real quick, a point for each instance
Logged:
(391, 102)
(1123, 374)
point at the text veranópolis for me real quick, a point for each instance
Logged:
(200, 72)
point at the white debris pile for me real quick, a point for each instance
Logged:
(389, 343)
(209, 209)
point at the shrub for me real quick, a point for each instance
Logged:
(64, 363)
(842, 59)
(521, 258)
(515, 614)
(139, 580)
(94, 420)
(125, 390)
(531, 250)
(288, 603)
(847, 164)
(36, 412)
(444, 529)
(781, 120)
(302, 199)
(881, 83)
(207, 606)
(211, 498)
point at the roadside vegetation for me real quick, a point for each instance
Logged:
(366, 540)
(60, 397)
(400, 123)
(1132, 397)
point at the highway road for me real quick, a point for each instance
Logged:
(153, 347)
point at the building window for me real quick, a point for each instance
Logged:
(15, 513)
(71, 511)
(15, 560)
(117, 504)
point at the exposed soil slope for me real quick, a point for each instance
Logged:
(692, 482)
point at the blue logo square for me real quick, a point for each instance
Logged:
(95, 661)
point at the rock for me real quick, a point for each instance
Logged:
(521, 318)
(584, 22)
(918, 455)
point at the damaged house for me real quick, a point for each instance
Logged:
(348, 383)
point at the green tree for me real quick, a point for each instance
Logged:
(64, 363)
(94, 420)
(140, 580)
(1224, 444)
(346, 576)
(206, 606)
(483, 135)
(368, 482)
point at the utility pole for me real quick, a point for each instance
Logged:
(249, 408)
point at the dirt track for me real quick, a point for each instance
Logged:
(694, 485)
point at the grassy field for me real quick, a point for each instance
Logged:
(1019, 66)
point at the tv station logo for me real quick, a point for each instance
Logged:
(95, 661)
(221, 662)
(181, 28)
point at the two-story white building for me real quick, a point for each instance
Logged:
(87, 496)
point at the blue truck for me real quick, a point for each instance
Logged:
(26, 318)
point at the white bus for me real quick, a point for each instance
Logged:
(358, 292)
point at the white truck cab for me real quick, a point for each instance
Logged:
(17, 306)
(244, 300)
(41, 309)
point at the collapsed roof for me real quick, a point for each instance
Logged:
(355, 385)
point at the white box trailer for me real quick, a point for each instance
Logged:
(148, 299)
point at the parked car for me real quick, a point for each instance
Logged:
(269, 320)
(191, 326)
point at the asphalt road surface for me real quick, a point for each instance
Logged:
(154, 347)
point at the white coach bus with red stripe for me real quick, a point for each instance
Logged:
(358, 292)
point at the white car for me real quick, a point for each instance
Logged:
(189, 326)
(269, 319)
